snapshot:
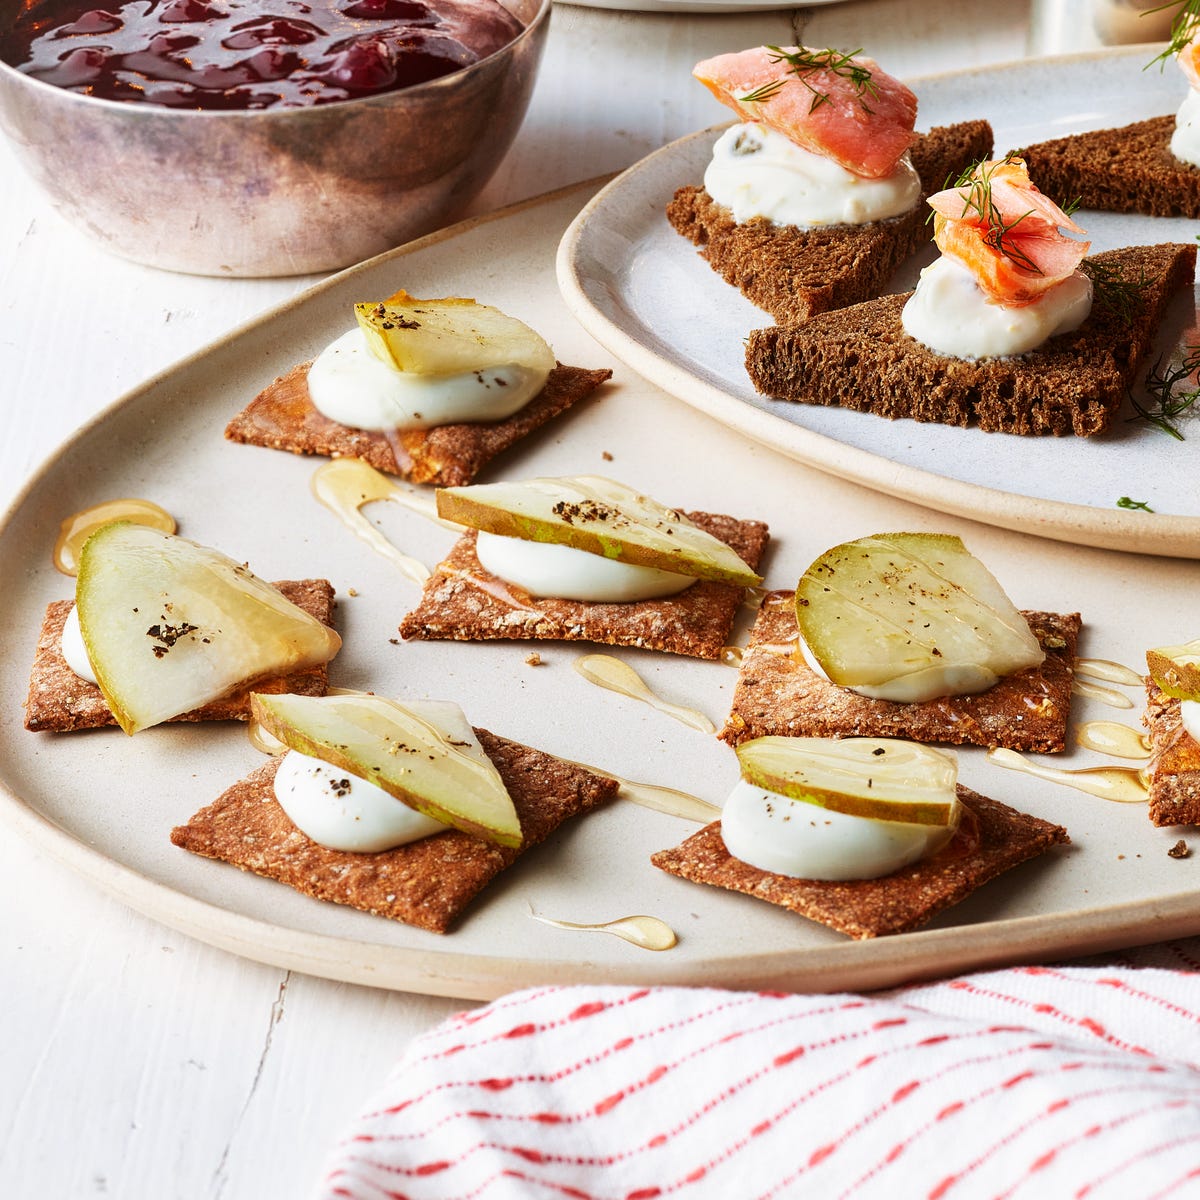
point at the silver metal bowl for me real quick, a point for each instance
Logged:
(273, 192)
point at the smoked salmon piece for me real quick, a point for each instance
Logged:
(1009, 235)
(840, 107)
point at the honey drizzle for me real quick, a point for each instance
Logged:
(1123, 785)
(732, 656)
(78, 527)
(1105, 695)
(345, 485)
(607, 672)
(1111, 737)
(647, 933)
(1107, 671)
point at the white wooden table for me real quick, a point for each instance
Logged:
(137, 1062)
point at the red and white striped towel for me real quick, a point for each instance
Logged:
(1026, 1083)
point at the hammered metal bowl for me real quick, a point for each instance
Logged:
(273, 192)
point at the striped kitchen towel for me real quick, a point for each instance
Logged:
(1029, 1083)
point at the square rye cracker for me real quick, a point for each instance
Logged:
(427, 883)
(778, 693)
(1174, 762)
(991, 839)
(463, 602)
(59, 701)
(282, 417)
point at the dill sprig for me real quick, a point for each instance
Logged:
(1112, 292)
(1140, 505)
(1182, 29)
(804, 62)
(1166, 403)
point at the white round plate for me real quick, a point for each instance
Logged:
(638, 287)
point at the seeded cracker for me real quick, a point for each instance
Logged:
(59, 701)
(462, 602)
(281, 417)
(1174, 762)
(992, 839)
(427, 883)
(793, 273)
(778, 693)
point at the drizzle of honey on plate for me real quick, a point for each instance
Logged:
(345, 485)
(647, 933)
(1123, 785)
(732, 656)
(78, 527)
(1106, 695)
(1111, 737)
(607, 672)
(1107, 671)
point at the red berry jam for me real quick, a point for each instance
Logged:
(240, 54)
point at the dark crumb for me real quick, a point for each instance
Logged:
(393, 641)
(604, 454)
(1179, 850)
(534, 659)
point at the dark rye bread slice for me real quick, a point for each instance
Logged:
(793, 273)
(861, 358)
(60, 702)
(778, 693)
(1174, 762)
(282, 417)
(427, 883)
(463, 602)
(1130, 170)
(991, 839)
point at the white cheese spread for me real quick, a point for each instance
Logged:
(350, 385)
(1185, 141)
(342, 811)
(74, 650)
(551, 569)
(917, 686)
(1189, 715)
(950, 314)
(792, 837)
(757, 172)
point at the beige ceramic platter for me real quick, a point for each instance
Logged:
(104, 804)
(645, 293)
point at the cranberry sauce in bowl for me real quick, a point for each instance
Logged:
(251, 54)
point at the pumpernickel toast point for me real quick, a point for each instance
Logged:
(1130, 169)
(861, 358)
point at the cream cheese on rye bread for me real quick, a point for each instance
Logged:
(792, 837)
(1185, 141)
(350, 385)
(565, 572)
(757, 172)
(950, 314)
(343, 812)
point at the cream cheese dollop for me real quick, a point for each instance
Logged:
(1185, 141)
(950, 314)
(74, 650)
(565, 572)
(1189, 715)
(350, 385)
(344, 812)
(917, 686)
(792, 837)
(758, 172)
